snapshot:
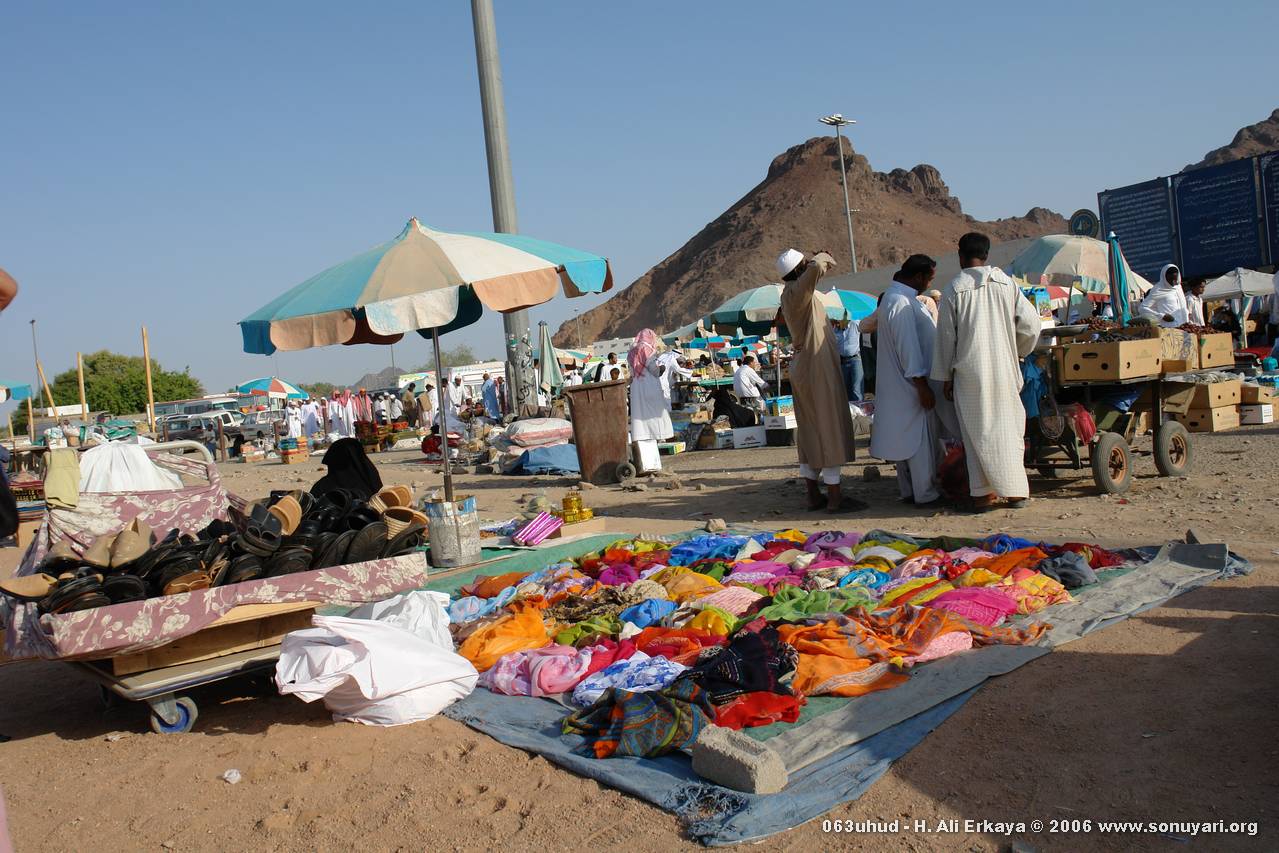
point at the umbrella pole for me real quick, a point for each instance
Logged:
(444, 417)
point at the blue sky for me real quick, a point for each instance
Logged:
(179, 164)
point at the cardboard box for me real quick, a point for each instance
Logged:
(1216, 351)
(1180, 350)
(1213, 395)
(754, 436)
(780, 405)
(779, 437)
(780, 421)
(1257, 413)
(1249, 393)
(701, 416)
(670, 448)
(1219, 419)
(1117, 360)
(723, 439)
(598, 524)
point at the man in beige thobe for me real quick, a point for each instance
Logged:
(824, 426)
(984, 327)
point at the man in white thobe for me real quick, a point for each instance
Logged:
(747, 384)
(985, 325)
(905, 429)
(674, 372)
(457, 396)
(310, 419)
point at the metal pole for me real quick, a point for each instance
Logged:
(444, 419)
(501, 184)
(848, 210)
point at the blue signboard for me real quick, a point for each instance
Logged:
(1217, 219)
(1141, 217)
(1269, 164)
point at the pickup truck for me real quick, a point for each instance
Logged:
(204, 429)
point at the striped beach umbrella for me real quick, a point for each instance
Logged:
(272, 387)
(420, 281)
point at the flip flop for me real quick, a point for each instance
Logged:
(85, 601)
(189, 582)
(29, 587)
(335, 554)
(406, 541)
(290, 560)
(245, 567)
(367, 544)
(122, 588)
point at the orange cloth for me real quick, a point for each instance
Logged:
(681, 645)
(487, 586)
(856, 654)
(1004, 563)
(688, 585)
(520, 631)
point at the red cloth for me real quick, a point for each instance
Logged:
(681, 645)
(758, 709)
(606, 652)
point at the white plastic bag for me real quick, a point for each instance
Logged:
(386, 664)
(118, 467)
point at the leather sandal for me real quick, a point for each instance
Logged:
(29, 587)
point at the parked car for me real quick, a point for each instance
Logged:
(262, 426)
(204, 429)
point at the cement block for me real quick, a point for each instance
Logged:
(738, 761)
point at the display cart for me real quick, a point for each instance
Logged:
(243, 640)
(1052, 443)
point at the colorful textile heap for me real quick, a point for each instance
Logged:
(647, 725)
(654, 640)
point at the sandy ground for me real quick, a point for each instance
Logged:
(1167, 716)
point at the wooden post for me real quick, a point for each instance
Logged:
(146, 358)
(31, 422)
(13, 437)
(84, 405)
(47, 393)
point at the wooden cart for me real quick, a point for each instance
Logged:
(1052, 444)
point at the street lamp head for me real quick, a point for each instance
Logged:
(837, 120)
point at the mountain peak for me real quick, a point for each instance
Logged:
(1251, 140)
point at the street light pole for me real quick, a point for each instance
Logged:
(501, 186)
(837, 121)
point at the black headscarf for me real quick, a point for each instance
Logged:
(350, 469)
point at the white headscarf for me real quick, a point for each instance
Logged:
(1165, 300)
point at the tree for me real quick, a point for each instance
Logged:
(318, 389)
(455, 357)
(117, 383)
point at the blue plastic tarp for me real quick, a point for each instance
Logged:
(560, 459)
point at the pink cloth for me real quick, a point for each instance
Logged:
(982, 605)
(946, 644)
(967, 555)
(731, 599)
(538, 672)
(925, 565)
(644, 348)
(622, 573)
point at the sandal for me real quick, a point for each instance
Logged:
(29, 587)
(407, 541)
(367, 544)
(335, 554)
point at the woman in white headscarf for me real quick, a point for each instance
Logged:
(1165, 304)
(650, 417)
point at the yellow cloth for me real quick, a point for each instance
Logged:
(62, 479)
(689, 585)
(714, 620)
(977, 577)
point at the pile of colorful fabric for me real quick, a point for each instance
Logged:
(654, 641)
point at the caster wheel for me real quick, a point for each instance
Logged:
(625, 471)
(186, 719)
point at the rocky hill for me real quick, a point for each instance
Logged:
(799, 204)
(1254, 139)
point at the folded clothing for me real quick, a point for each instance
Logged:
(1069, 569)
(622, 722)
(638, 673)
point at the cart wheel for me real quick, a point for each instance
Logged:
(625, 471)
(1172, 449)
(186, 718)
(1111, 463)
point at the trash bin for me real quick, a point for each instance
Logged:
(600, 427)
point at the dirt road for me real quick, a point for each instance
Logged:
(1168, 716)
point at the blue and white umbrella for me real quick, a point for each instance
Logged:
(422, 280)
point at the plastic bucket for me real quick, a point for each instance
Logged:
(455, 533)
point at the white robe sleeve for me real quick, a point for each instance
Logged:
(944, 348)
(904, 338)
